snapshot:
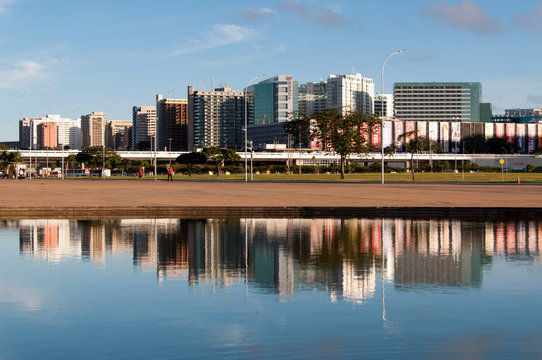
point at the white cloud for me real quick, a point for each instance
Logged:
(23, 75)
(467, 15)
(321, 17)
(260, 53)
(219, 35)
(531, 22)
(257, 14)
(4, 5)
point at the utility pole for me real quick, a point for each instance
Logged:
(169, 152)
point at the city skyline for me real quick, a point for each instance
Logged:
(60, 56)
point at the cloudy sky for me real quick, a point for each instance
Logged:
(75, 57)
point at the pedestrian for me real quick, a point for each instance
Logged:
(140, 173)
(169, 173)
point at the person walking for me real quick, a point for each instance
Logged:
(140, 174)
(170, 173)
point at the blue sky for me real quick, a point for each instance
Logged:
(58, 55)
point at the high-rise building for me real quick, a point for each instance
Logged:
(312, 98)
(69, 133)
(438, 101)
(272, 100)
(350, 93)
(217, 117)
(47, 136)
(172, 124)
(384, 106)
(144, 126)
(68, 130)
(25, 134)
(92, 129)
(118, 134)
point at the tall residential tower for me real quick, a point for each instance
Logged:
(172, 124)
(217, 117)
(350, 93)
(92, 129)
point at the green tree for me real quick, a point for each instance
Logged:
(300, 130)
(497, 145)
(4, 158)
(475, 145)
(112, 159)
(416, 145)
(345, 134)
(93, 158)
(10, 158)
(70, 160)
(191, 159)
(90, 157)
(219, 156)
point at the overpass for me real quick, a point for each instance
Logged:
(514, 161)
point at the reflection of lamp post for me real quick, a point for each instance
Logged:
(382, 93)
(246, 123)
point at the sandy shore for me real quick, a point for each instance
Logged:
(42, 196)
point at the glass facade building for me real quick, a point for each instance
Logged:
(438, 101)
(274, 100)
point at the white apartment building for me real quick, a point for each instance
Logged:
(350, 93)
(144, 125)
(383, 106)
(69, 131)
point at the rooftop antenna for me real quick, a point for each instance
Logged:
(353, 70)
(202, 88)
(212, 83)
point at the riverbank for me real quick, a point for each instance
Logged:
(223, 198)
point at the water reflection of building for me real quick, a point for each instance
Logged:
(345, 257)
(437, 252)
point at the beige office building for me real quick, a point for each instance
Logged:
(118, 134)
(92, 129)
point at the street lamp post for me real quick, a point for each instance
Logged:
(169, 152)
(155, 166)
(506, 158)
(30, 161)
(246, 124)
(382, 94)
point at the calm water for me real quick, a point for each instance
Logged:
(268, 288)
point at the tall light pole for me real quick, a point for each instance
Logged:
(246, 122)
(103, 138)
(382, 94)
(30, 161)
(155, 166)
(169, 152)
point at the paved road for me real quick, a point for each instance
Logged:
(19, 194)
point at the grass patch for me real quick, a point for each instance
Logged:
(365, 177)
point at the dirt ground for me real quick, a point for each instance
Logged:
(58, 194)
